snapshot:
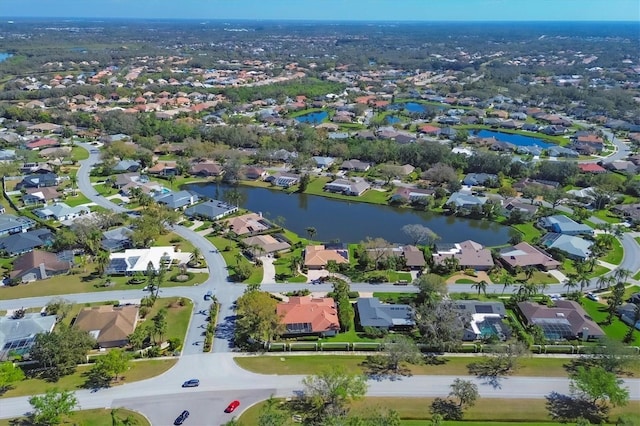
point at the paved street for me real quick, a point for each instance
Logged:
(161, 398)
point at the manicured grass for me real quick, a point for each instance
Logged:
(105, 190)
(607, 216)
(465, 281)
(617, 329)
(529, 232)
(233, 256)
(455, 366)
(406, 298)
(180, 243)
(598, 270)
(96, 417)
(637, 276)
(79, 153)
(140, 370)
(78, 199)
(371, 196)
(614, 256)
(85, 282)
(486, 412)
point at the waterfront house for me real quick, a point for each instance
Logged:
(210, 210)
(524, 254)
(177, 200)
(355, 187)
(469, 254)
(317, 257)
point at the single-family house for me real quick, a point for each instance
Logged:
(478, 179)
(317, 257)
(206, 169)
(40, 265)
(306, 315)
(591, 168)
(469, 255)
(465, 200)
(17, 335)
(39, 180)
(574, 247)
(411, 195)
(566, 320)
(483, 320)
(25, 242)
(266, 244)
(117, 239)
(127, 166)
(177, 200)
(629, 211)
(283, 179)
(562, 224)
(355, 165)
(43, 195)
(323, 162)
(210, 210)
(254, 172)
(138, 260)
(524, 254)
(413, 258)
(527, 210)
(164, 168)
(10, 224)
(61, 212)
(250, 223)
(384, 316)
(109, 325)
(355, 187)
(37, 144)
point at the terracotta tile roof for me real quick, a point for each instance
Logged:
(320, 314)
(319, 256)
(591, 168)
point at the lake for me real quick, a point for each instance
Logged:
(518, 140)
(313, 117)
(5, 56)
(416, 107)
(352, 221)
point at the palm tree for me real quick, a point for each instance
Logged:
(507, 281)
(622, 274)
(583, 280)
(529, 271)
(102, 261)
(74, 181)
(311, 231)
(570, 283)
(171, 179)
(481, 286)
(603, 282)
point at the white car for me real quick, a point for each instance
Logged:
(592, 296)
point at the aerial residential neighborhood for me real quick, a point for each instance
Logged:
(450, 226)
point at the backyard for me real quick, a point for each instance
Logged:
(617, 329)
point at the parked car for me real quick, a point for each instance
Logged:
(181, 418)
(191, 383)
(232, 406)
(592, 296)
(208, 295)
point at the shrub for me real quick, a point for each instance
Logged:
(374, 333)
(308, 338)
(175, 240)
(353, 294)
(144, 311)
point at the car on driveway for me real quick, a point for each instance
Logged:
(592, 296)
(191, 383)
(181, 418)
(232, 406)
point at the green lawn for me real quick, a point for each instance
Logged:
(140, 370)
(406, 298)
(637, 276)
(233, 256)
(486, 412)
(79, 153)
(78, 199)
(455, 366)
(616, 330)
(105, 190)
(86, 281)
(96, 417)
(171, 239)
(614, 255)
(529, 232)
(371, 196)
(607, 216)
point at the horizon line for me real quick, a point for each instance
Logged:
(11, 18)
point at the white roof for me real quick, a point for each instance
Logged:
(138, 259)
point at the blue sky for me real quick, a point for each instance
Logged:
(393, 10)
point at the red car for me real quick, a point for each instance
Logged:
(232, 407)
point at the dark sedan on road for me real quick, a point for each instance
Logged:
(192, 383)
(181, 418)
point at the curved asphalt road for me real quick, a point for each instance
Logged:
(161, 399)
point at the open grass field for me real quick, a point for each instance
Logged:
(140, 370)
(313, 364)
(96, 417)
(486, 412)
